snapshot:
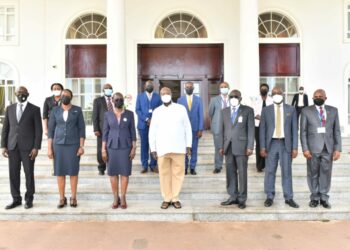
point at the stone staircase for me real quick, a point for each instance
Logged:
(201, 194)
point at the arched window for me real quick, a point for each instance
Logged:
(88, 26)
(276, 25)
(181, 25)
(7, 87)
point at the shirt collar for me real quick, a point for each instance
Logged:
(24, 104)
(236, 108)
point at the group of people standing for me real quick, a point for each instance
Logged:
(170, 134)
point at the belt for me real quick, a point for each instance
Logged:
(278, 139)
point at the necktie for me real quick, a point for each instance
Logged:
(233, 116)
(109, 104)
(225, 102)
(20, 112)
(278, 122)
(189, 103)
(264, 103)
(322, 118)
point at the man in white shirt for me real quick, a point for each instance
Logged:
(262, 101)
(300, 100)
(170, 138)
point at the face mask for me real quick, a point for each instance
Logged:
(22, 97)
(263, 92)
(65, 99)
(318, 101)
(234, 102)
(224, 91)
(189, 91)
(119, 103)
(149, 88)
(56, 92)
(277, 99)
(166, 98)
(108, 92)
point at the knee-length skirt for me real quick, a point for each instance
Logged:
(66, 161)
(119, 162)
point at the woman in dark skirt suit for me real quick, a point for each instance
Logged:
(50, 103)
(119, 147)
(66, 145)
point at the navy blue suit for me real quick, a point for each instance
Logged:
(196, 117)
(144, 111)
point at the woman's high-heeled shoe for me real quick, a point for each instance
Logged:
(73, 202)
(62, 203)
(123, 202)
(116, 205)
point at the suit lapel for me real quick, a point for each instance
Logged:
(317, 115)
(104, 103)
(285, 114)
(238, 114)
(24, 114)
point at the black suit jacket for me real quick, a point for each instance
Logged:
(98, 111)
(296, 100)
(25, 134)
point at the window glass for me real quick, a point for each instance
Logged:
(89, 26)
(276, 25)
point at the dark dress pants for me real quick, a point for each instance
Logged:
(260, 161)
(101, 163)
(16, 157)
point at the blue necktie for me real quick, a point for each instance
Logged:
(233, 116)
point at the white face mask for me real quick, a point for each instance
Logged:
(166, 98)
(224, 91)
(56, 92)
(301, 91)
(277, 99)
(234, 102)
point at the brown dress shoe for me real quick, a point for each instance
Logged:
(144, 170)
(177, 204)
(165, 205)
(155, 170)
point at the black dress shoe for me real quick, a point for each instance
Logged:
(313, 203)
(216, 171)
(292, 203)
(325, 204)
(13, 204)
(268, 202)
(229, 202)
(193, 172)
(144, 170)
(28, 205)
(185, 171)
(62, 203)
(101, 172)
(242, 205)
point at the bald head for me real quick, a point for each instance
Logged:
(107, 86)
(277, 91)
(319, 97)
(165, 91)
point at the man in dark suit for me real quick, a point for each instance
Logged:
(101, 105)
(194, 108)
(20, 141)
(146, 103)
(279, 143)
(237, 144)
(300, 101)
(321, 143)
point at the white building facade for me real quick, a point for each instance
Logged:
(243, 42)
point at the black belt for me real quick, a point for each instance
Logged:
(278, 139)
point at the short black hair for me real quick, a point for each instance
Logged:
(70, 92)
(58, 84)
(264, 85)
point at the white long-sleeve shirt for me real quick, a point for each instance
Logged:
(170, 130)
(257, 106)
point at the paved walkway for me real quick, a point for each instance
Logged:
(162, 235)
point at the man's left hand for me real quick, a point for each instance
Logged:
(249, 152)
(33, 154)
(199, 134)
(294, 153)
(336, 155)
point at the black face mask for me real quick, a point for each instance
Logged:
(189, 91)
(119, 103)
(263, 92)
(65, 99)
(22, 97)
(149, 88)
(318, 101)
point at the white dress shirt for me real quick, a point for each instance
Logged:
(282, 121)
(257, 106)
(65, 115)
(170, 130)
(301, 100)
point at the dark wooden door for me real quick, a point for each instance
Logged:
(173, 65)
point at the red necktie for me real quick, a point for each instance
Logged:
(323, 120)
(109, 104)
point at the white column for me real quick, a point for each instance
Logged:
(249, 50)
(116, 59)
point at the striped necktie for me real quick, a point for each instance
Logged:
(109, 104)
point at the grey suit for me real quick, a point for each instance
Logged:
(215, 108)
(235, 138)
(279, 149)
(321, 146)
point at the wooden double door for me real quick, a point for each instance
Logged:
(172, 65)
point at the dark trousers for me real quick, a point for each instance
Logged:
(193, 160)
(145, 152)
(319, 174)
(101, 164)
(16, 157)
(298, 109)
(260, 161)
(277, 153)
(236, 176)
